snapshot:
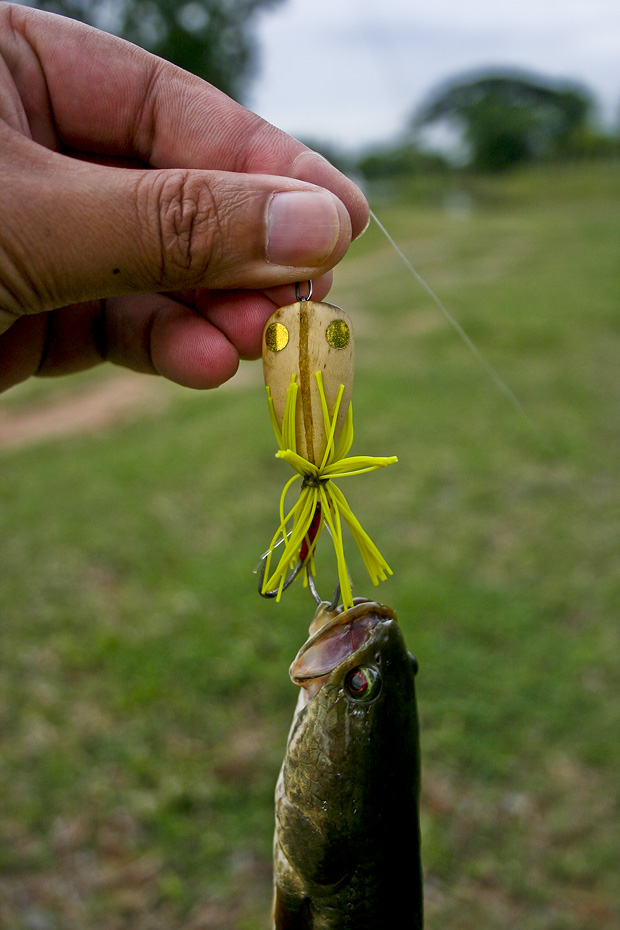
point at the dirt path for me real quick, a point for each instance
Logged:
(118, 398)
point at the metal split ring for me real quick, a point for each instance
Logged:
(298, 296)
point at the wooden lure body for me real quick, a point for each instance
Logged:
(299, 340)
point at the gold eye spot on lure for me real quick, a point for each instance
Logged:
(276, 336)
(308, 364)
(338, 334)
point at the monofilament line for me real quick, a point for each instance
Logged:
(499, 382)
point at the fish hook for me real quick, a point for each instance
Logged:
(291, 578)
(315, 594)
(288, 582)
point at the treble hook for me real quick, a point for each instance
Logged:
(288, 582)
(291, 578)
(315, 594)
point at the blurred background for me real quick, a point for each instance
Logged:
(144, 691)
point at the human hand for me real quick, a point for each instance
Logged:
(145, 217)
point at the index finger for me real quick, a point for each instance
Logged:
(110, 97)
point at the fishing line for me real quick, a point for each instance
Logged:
(495, 377)
(395, 61)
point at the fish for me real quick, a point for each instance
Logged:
(347, 836)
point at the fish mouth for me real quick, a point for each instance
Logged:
(335, 635)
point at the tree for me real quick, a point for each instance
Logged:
(211, 38)
(507, 118)
(400, 160)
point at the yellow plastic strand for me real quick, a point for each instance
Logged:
(318, 487)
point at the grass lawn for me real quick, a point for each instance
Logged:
(144, 695)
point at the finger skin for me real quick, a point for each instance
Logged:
(21, 350)
(144, 334)
(89, 247)
(106, 96)
(98, 232)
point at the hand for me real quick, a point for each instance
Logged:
(145, 217)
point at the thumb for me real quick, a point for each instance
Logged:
(76, 231)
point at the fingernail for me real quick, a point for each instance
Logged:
(312, 167)
(303, 228)
(361, 233)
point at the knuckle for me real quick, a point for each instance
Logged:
(188, 226)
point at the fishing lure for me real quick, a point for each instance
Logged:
(308, 364)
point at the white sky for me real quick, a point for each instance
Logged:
(350, 71)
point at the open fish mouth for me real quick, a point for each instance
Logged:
(335, 635)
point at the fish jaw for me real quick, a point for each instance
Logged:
(348, 793)
(334, 636)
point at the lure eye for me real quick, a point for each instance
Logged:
(276, 336)
(363, 683)
(338, 334)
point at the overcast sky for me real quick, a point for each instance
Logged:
(350, 71)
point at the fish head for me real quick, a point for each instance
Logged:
(359, 653)
(349, 785)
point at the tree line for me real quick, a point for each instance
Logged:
(503, 118)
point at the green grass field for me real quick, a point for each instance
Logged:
(144, 694)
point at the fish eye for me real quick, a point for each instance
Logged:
(363, 683)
